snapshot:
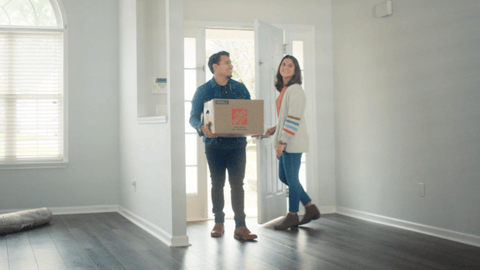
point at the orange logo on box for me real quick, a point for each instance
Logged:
(239, 117)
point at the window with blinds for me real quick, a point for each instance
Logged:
(31, 85)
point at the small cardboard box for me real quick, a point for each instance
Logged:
(234, 117)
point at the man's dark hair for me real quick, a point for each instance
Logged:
(296, 78)
(215, 59)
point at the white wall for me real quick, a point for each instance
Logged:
(308, 12)
(151, 55)
(92, 175)
(145, 148)
(407, 105)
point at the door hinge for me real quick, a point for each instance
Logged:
(285, 48)
(287, 192)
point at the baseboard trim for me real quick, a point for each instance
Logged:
(72, 210)
(180, 241)
(416, 227)
(327, 209)
(83, 209)
(147, 226)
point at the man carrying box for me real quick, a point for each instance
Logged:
(223, 153)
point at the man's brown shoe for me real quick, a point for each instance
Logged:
(217, 230)
(242, 233)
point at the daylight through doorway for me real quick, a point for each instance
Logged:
(240, 45)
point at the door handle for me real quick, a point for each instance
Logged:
(265, 142)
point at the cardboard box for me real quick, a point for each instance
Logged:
(234, 117)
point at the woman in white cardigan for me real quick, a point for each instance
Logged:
(291, 140)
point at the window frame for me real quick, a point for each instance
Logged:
(59, 10)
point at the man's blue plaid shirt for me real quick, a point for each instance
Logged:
(209, 91)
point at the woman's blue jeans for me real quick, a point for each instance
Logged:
(289, 167)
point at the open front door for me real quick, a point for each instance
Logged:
(268, 54)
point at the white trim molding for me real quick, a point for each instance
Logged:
(147, 226)
(83, 209)
(73, 210)
(411, 226)
(34, 165)
(179, 241)
(327, 209)
(152, 119)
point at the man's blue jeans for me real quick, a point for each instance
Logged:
(233, 160)
(289, 167)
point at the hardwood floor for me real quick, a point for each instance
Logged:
(110, 241)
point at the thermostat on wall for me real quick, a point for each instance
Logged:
(160, 80)
(159, 86)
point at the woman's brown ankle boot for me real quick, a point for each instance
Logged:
(311, 212)
(291, 221)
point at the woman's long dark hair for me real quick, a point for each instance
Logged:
(296, 78)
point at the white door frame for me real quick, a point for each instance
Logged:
(197, 204)
(308, 31)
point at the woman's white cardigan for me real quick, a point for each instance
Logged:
(291, 125)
